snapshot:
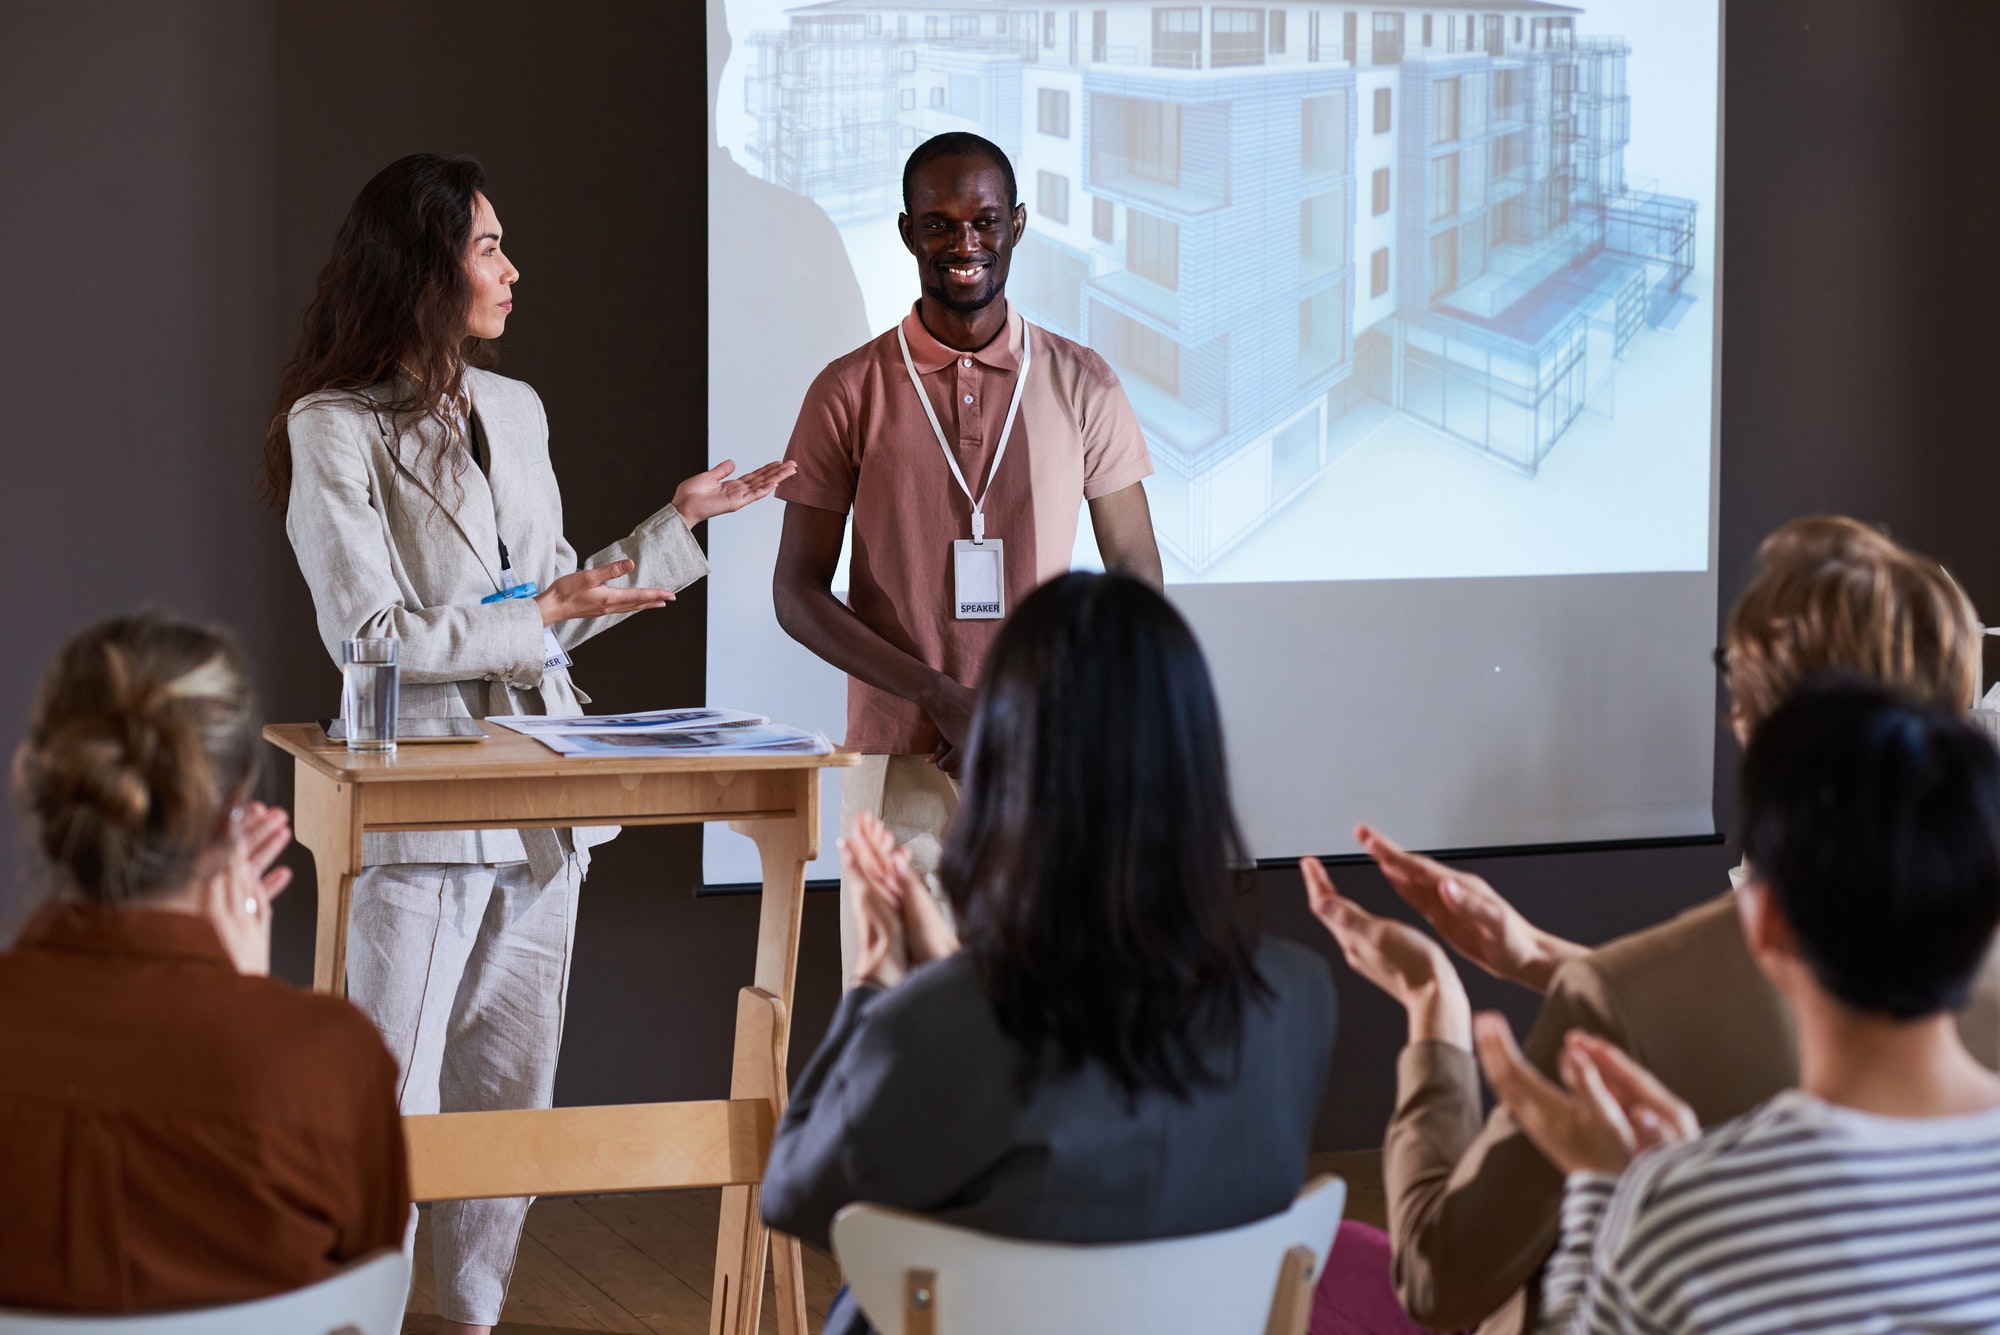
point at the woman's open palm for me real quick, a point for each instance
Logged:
(706, 495)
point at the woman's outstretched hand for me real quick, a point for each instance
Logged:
(587, 593)
(901, 925)
(706, 495)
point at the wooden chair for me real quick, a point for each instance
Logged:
(914, 1276)
(364, 1298)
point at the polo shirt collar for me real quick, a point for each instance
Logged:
(1002, 354)
(133, 933)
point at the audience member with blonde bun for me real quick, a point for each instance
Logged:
(176, 1127)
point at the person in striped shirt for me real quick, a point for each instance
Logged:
(1866, 1199)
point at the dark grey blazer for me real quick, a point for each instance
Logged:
(911, 1101)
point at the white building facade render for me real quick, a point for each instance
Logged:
(1267, 218)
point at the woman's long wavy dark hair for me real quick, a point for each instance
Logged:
(392, 299)
(1095, 865)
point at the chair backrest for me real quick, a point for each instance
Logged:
(366, 1297)
(914, 1276)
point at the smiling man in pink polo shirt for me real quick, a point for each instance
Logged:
(1026, 423)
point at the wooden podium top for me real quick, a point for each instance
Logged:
(506, 754)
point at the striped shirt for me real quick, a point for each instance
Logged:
(1799, 1216)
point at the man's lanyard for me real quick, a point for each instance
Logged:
(1006, 431)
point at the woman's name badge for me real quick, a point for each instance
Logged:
(553, 654)
(979, 580)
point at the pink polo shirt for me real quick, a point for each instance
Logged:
(863, 443)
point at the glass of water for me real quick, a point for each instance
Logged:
(368, 693)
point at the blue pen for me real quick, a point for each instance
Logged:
(528, 590)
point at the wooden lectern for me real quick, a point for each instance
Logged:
(513, 782)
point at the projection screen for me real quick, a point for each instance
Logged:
(1419, 310)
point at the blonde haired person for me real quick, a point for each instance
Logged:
(1861, 1200)
(176, 1128)
(1473, 1204)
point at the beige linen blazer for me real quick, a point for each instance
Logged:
(386, 555)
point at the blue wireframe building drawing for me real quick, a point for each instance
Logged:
(1266, 218)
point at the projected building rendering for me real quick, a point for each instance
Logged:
(1279, 224)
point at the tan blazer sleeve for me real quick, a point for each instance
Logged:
(343, 545)
(1473, 1206)
(664, 555)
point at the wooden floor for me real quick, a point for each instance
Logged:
(645, 1263)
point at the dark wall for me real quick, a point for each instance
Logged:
(171, 177)
(138, 322)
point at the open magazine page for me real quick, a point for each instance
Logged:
(730, 740)
(651, 721)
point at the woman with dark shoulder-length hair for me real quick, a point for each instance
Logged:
(1112, 1054)
(176, 1128)
(419, 498)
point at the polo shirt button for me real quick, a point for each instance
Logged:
(966, 362)
(968, 398)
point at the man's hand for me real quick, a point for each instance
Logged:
(950, 708)
(587, 593)
(706, 495)
(1399, 959)
(802, 594)
(1607, 1111)
(1470, 914)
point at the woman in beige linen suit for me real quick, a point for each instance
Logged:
(417, 486)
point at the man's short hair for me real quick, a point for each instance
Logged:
(1874, 821)
(959, 144)
(1833, 593)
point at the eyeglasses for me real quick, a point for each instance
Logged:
(1721, 657)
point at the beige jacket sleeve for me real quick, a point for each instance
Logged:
(1472, 1204)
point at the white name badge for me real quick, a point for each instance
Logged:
(979, 580)
(553, 656)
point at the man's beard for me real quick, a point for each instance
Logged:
(968, 303)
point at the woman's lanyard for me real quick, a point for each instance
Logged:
(475, 438)
(553, 654)
(951, 460)
(482, 454)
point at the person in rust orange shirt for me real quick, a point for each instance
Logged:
(176, 1128)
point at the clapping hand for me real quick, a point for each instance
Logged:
(901, 925)
(238, 895)
(1607, 1110)
(706, 495)
(1469, 913)
(1399, 959)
